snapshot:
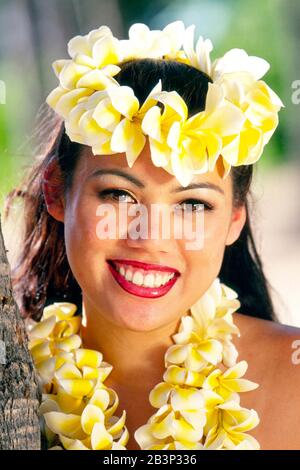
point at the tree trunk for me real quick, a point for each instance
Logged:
(19, 391)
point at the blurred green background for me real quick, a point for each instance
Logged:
(34, 33)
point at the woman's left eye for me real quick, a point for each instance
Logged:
(198, 204)
(114, 194)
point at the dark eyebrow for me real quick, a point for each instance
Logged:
(117, 172)
(137, 182)
(199, 185)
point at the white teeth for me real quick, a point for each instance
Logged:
(122, 270)
(149, 280)
(158, 280)
(146, 280)
(138, 278)
(129, 275)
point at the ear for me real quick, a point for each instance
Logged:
(53, 190)
(238, 219)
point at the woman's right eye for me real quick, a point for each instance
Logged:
(114, 194)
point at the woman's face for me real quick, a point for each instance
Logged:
(88, 251)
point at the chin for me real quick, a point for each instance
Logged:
(140, 319)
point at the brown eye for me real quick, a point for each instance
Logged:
(196, 205)
(115, 194)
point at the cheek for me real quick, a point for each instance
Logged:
(80, 225)
(203, 265)
(215, 232)
(86, 252)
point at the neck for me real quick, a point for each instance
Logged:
(137, 357)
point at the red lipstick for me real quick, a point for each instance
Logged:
(142, 291)
(145, 266)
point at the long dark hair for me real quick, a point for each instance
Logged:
(42, 273)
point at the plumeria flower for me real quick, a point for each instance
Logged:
(109, 121)
(144, 42)
(83, 128)
(93, 60)
(121, 114)
(156, 124)
(182, 419)
(175, 33)
(54, 338)
(213, 313)
(262, 109)
(195, 143)
(199, 56)
(237, 60)
(196, 354)
(209, 329)
(63, 101)
(230, 353)
(229, 382)
(230, 422)
(91, 68)
(95, 405)
(182, 375)
(79, 381)
(260, 106)
(88, 430)
(164, 391)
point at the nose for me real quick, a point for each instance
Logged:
(151, 229)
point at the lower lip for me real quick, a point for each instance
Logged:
(140, 291)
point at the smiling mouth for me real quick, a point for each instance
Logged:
(143, 283)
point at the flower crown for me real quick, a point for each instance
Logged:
(240, 115)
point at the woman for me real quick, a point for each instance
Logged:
(64, 259)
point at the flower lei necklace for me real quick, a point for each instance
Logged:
(198, 404)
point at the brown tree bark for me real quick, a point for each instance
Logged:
(19, 391)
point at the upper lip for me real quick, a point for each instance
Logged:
(145, 266)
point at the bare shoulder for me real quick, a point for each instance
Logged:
(272, 351)
(271, 338)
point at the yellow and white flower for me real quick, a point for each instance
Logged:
(191, 145)
(144, 42)
(182, 419)
(209, 328)
(237, 60)
(260, 106)
(230, 381)
(199, 56)
(229, 423)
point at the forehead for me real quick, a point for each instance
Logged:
(144, 169)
